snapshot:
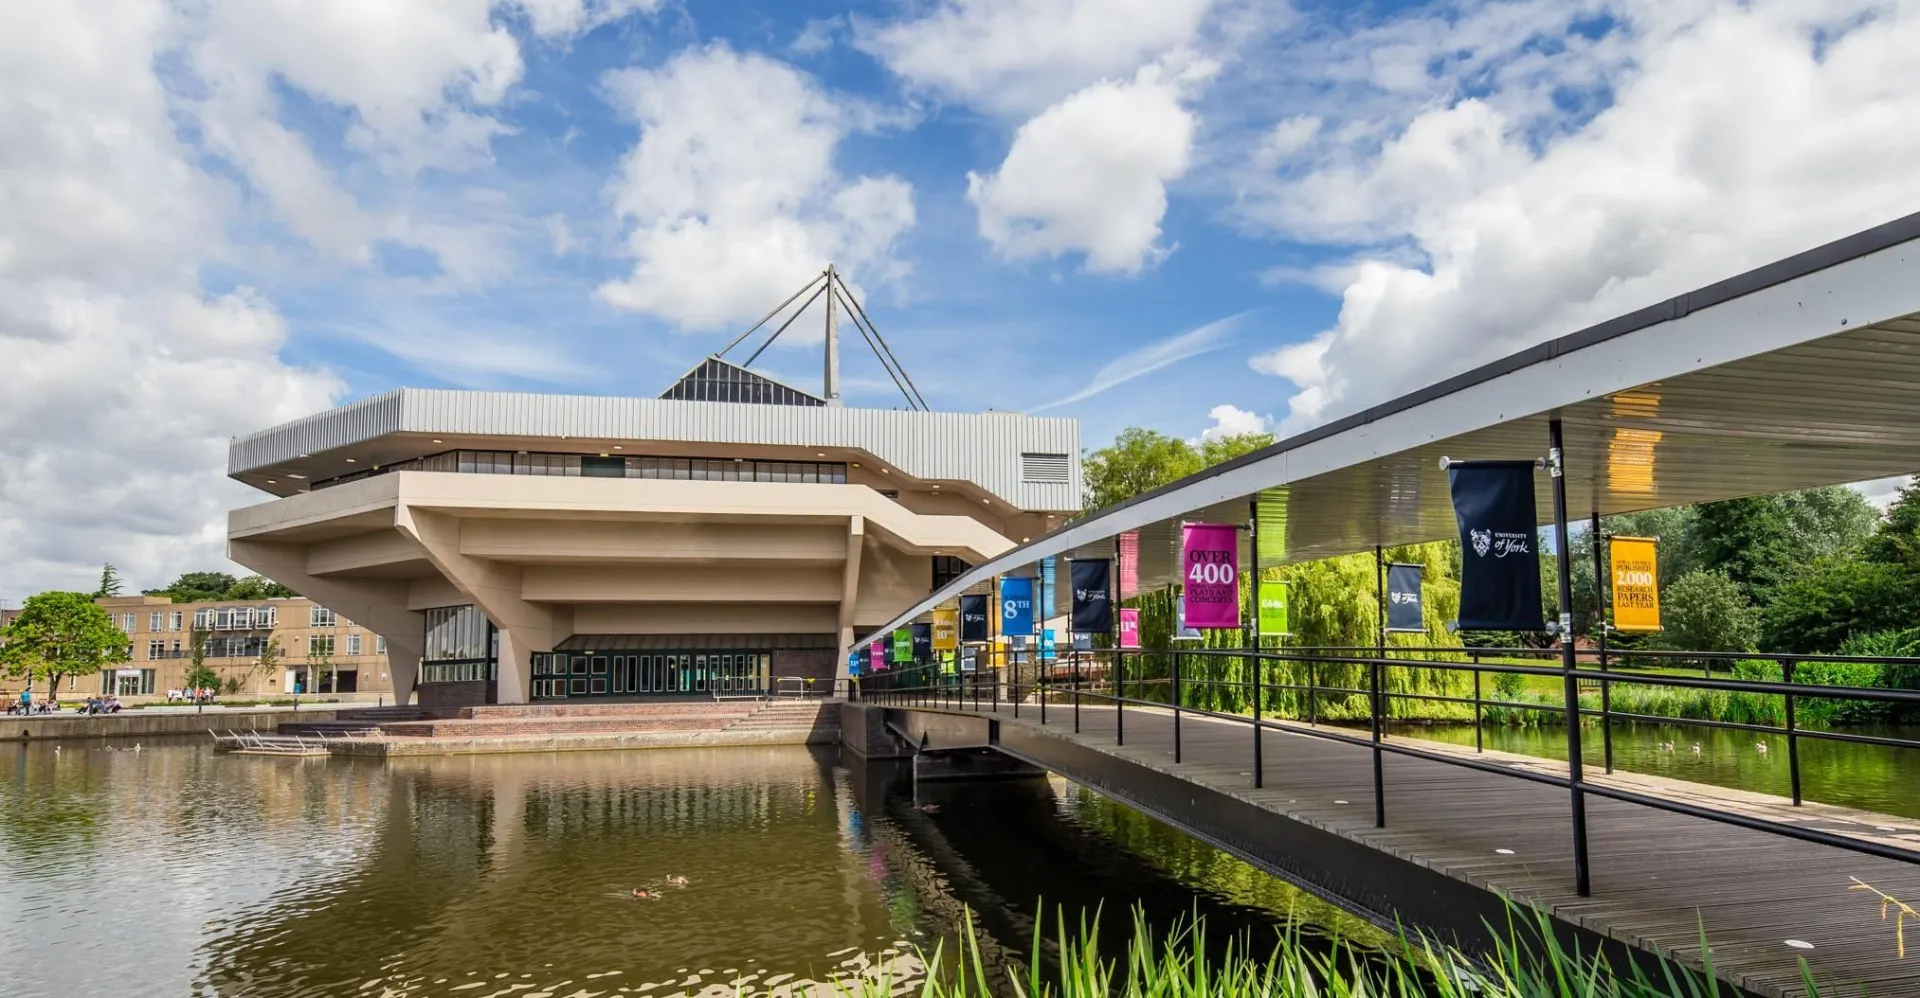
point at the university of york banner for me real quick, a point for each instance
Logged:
(973, 618)
(1273, 609)
(1636, 584)
(1181, 632)
(900, 647)
(1129, 629)
(946, 630)
(922, 638)
(1016, 606)
(1405, 614)
(1092, 596)
(1500, 566)
(1210, 575)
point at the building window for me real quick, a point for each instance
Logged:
(131, 682)
(320, 616)
(353, 644)
(203, 620)
(126, 622)
(179, 618)
(380, 644)
(455, 633)
(155, 620)
(174, 652)
(156, 650)
(319, 645)
(947, 568)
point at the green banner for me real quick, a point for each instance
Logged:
(903, 646)
(1273, 609)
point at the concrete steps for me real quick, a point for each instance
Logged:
(639, 717)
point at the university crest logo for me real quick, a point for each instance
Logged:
(1482, 541)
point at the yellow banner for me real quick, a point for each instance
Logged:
(1636, 585)
(946, 630)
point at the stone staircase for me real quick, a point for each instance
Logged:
(802, 720)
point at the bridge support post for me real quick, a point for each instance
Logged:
(1556, 462)
(1600, 641)
(1176, 708)
(1379, 707)
(1253, 630)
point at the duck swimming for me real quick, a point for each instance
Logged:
(676, 880)
(646, 894)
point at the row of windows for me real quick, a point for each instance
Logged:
(457, 633)
(251, 646)
(501, 462)
(456, 672)
(224, 618)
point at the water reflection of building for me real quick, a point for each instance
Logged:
(733, 530)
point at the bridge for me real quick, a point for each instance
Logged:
(1791, 376)
(1408, 831)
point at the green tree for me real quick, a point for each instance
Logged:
(1828, 521)
(1746, 540)
(1224, 449)
(192, 587)
(200, 675)
(1706, 610)
(109, 582)
(1836, 599)
(257, 587)
(268, 664)
(319, 662)
(1137, 461)
(60, 634)
(1898, 540)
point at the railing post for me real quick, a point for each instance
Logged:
(1176, 707)
(1253, 630)
(1119, 695)
(1577, 799)
(1313, 693)
(1379, 706)
(1479, 743)
(1076, 691)
(1043, 675)
(1013, 690)
(1793, 742)
(1600, 633)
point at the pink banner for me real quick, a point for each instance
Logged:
(1129, 584)
(1210, 560)
(1129, 629)
(876, 658)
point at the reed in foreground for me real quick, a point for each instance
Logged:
(1528, 962)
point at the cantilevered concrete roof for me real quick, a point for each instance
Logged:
(1801, 373)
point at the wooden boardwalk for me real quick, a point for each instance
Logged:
(1659, 878)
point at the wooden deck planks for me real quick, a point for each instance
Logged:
(1657, 876)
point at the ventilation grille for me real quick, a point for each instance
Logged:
(1044, 468)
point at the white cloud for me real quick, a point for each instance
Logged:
(1018, 56)
(1730, 135)
(818, 35)
(565, 18)
(1881, 492)
(1089, 174)
(732, 195)
(1233, 421)
(125, 376)
(1152, 357)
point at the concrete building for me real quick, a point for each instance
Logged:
(320, 650)
(723, 537)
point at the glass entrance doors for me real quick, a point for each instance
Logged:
(680, 673)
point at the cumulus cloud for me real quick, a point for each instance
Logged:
(1233, 421)
(562, 18)
(1590, 173)
(125, 375)
(1089, 174)
(1019, 56)
(731, 194)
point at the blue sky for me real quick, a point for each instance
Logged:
(1199, 216)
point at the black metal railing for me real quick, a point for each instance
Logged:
(1103, 677)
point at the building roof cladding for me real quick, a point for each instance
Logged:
(983, 448)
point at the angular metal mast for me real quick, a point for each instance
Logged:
(830, 284)
(832, 393)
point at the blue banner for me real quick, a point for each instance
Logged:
(1016, 606)
(1499, 558)
(1404, 611)
(853, 663)
(1047, 651)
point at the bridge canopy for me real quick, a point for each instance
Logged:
(1799, 374)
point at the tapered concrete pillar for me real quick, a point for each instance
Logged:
(515, 684)
(403, 665)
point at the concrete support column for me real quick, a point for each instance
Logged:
(850, 587)
(403, 664)
(515, 684)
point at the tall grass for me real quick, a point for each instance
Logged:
(1527, 962)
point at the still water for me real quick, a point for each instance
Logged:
(1869, 777)
(173, 871)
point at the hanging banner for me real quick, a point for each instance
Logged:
(1405, 614)
(877, 657)
(900, 647)
(1129, 629)
(1181, 632)
(1016, 606)
(1636, 584)
(1210, 556)
(973, 617)
(922, 638)
(1500, 567)
(1092, 595)
(853, 663)
(1273, 608)
(1129, 568)
(946, 629)
(1047, 652)
(968, 660)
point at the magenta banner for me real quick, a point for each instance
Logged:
(1129, 629)
(1211, 560)
(876, 658)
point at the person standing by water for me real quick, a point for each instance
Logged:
(26, 699)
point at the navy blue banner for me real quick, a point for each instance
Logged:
(1404, 611)
(1499, 559)
(923, 642)
(973, 618)
(1092, 596)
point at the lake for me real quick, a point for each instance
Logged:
(169, 870)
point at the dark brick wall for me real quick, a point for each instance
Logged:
(456, 694)
(816, 665)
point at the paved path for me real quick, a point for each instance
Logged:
(1658, 877)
